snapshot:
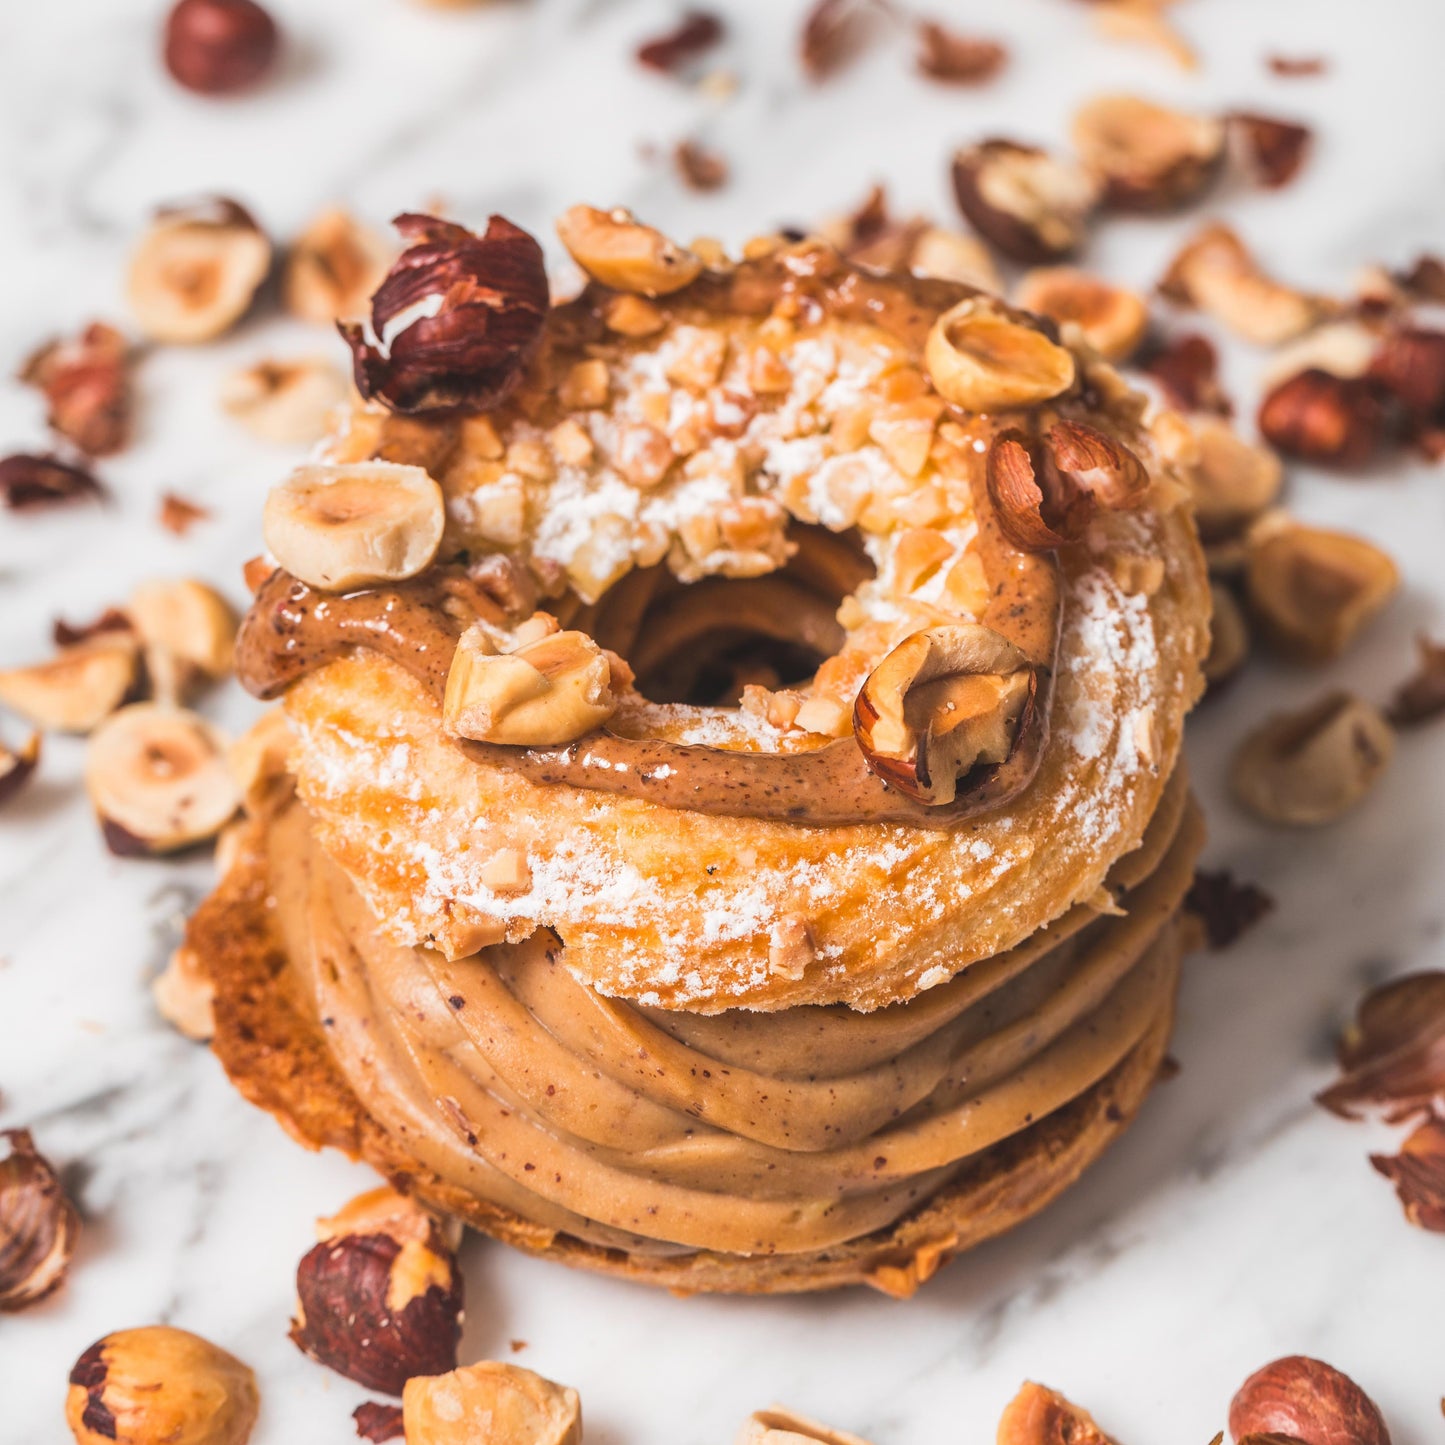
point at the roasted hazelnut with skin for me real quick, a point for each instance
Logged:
(1308, 1401)
(1308, 767)
(158, 780)
(379, 1299)
(1110, 319)
(490, 1404)
(1148, 158)
(160, 1386)
(216, 47)
(942, 702)
(1313, 591)
(197, 270)
(1032, 205)
(38, 1225)
(1333, 421)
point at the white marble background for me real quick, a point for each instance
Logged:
(1236, 1222)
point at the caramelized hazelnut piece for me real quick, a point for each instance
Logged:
(1313, 591)
(157, 779)
(490, 1404)
(333, 267)
(339, 527)
(985, 357)
(940, 703)
(16, 768)
(786, 1427)
(1040, 1416)
(38, 1225)
(1308, 767)
(1033, 206)
(77, 688)
(160, 1386)
(1231, 481)
(1110, 319)
(552, 690)
(1330, 420)
(215, 47)
(1149, 158)
(1216, 273)
(196, 271)
(379, 1299)
(1301, 1399)
(284, 401)
(622, 253)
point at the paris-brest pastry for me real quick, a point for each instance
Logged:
(724, 824)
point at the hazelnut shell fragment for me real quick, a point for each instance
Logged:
(620, 252)
(948, 56)
(379, 1299)
(492, 1403)
(217, 47)
(986, 357)
(944, 701)
(1308, 1401)
(38, 1225)
(30, 483)
(160, 1386)
(1312, 591)
(1033, 206)
(1418, 1174)
(354, 524)
(675, 50)
(1271, 151)
(158, 781)
(86, 385)
(1308, 767)
(490, 299)
(1148, 157)
(197, 270)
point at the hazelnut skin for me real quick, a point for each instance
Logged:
(217, 47)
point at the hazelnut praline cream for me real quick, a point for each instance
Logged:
(733, 997)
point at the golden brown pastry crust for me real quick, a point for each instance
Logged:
(278, 1060)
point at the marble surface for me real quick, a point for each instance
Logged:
(1236, 1222)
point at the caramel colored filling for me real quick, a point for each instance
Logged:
(742, 1133)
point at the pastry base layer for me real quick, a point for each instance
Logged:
(279, 1060)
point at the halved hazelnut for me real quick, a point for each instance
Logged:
(1305, 1400)
(1308, 767)
(777, 1426)
(158, 780)
(339, 527)
(1228, 637)
(942, 702)
(1045, 495)
(613, 248)
(1231, 480)
(1112, 320)
(78, 687)
(160, 1384)
(1040, 1416)
(1216, 273)
(1313, 590)
(1033, 206)
(379, 1299)
(1330, 420)
(333, 267)
(552, 690)
(197, 270)
(188, 631)
(986, 357)
(492, 1403)
(38, 1225)
(949, 256)
(284, 401)
(1148, 157)
(185, 996)
(16, 768)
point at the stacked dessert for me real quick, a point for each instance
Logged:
(725, 825)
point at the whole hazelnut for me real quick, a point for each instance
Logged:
(1308, 1401)
(379, 1300)
(160, 1386)
(215, 47)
